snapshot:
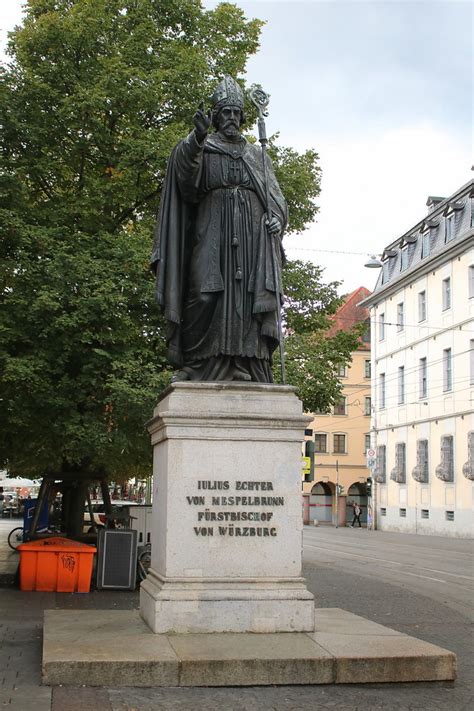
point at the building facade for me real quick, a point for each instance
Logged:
(422, 323)
(342, 436)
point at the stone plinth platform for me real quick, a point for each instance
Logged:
(117, 648)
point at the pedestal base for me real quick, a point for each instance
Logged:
(116, 648)
(227, 525)
(226, 606)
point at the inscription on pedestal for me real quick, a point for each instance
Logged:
(227, 520)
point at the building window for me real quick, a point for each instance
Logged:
(422, 306)
(404, 258)
(400, 317)
(449, 515)
(471, 282)
(383, 511)
(380, 473)
(425, 245)
(425, 513)
(339, 444)
(471, 358)
(401, 385)
(367, 369)
(382, 327)
(366, 442)
(342, 371)
(445, 470)
(446, 293)
(382, 390)
(368, 406)
(449, 228)
(366, 333)
(398, 472)
(340, 407)
(447, 370)
(320, 443)
(420, 472)
(403, 513)
(423, 383)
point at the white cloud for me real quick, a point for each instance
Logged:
(374, 189)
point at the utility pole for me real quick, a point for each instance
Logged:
(337, 493)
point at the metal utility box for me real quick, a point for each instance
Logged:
(117, 559)
(140, 521)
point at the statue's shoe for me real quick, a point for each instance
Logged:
(180, 377)
(242, 376)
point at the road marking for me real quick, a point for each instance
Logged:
(425, 577)
(392, 562)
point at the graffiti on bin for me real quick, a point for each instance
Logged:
(69, 562)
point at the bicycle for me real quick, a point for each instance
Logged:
(15, 537)
(144, 561)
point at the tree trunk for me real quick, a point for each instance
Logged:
(73, 511)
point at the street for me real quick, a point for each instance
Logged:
(439, 568)
(415, 584)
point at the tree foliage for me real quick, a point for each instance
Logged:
(95, 96)
(313, 350)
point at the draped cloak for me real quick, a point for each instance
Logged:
(212, 253)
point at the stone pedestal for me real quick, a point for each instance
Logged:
(227, 523)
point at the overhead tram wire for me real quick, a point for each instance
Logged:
(394, 377)
(410, 370)
(328, 251)
(344, 418)
(408, 325)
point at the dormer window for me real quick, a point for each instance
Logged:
(428, 227)
(449, 228)
(425, 244)
(386, 257)
(404, 258)
(450, 219)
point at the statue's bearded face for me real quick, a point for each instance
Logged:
(229, 120)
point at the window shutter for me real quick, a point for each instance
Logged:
(380, 474)
(398, 472)
(420, 472)
(445, 470)
(468, 467)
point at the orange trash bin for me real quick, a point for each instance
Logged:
(56, 564)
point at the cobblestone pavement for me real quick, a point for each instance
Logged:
(389, 604)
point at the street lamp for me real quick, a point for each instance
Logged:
(373, 262)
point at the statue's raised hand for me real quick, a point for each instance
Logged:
(202, 122)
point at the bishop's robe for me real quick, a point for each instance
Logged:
(213, 259)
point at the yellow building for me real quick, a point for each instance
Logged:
(342, 437)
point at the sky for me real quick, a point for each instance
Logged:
(382, 90)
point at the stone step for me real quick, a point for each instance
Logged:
(116, 648)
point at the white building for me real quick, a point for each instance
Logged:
(422, 322)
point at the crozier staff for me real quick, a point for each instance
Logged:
(220, 219)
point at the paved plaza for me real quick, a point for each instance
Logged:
(417, 585)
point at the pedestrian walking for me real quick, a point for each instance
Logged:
(357, 513)
(2, 501)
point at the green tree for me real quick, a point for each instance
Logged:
(96, 95)
(314, 350)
